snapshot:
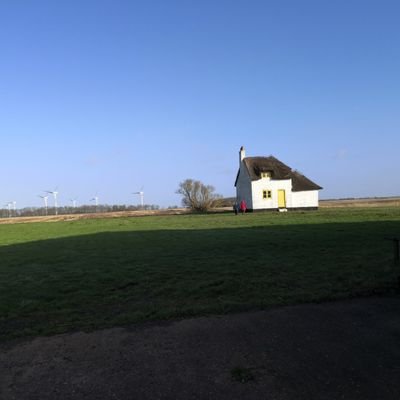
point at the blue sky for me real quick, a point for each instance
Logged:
(104, 97)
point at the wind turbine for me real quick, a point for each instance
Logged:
(96, 201)
(45, 198)
(73, 201)
(14, 203)
(8, 205)
(54, 193)
(141, 194)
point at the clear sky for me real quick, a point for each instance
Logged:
(104, 97)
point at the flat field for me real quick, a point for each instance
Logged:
(87, 274)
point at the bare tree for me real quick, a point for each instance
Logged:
(197, 195)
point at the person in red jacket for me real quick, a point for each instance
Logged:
(243, 206)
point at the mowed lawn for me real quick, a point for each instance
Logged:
(64, 276)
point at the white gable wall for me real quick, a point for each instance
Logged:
(273, 185)
(243, 187)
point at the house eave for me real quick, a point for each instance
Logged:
(306, 190)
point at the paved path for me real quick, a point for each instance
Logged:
(341, 350)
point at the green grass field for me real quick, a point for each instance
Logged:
(64, 276)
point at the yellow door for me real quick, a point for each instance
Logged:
(281, 198)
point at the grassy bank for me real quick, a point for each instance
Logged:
(57, 277)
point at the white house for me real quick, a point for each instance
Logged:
(267, 183)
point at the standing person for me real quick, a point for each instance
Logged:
(236, 207)
(243, 206)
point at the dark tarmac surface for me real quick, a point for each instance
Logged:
(341, 350)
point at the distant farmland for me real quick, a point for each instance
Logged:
(367, 202)
(101, 272)
(332, 203)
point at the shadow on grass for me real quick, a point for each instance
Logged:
(116, 278)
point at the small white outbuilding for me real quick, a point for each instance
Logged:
(267, 183)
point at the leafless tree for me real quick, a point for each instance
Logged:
(197, 196)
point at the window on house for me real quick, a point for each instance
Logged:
(266, 174)
(267, 194)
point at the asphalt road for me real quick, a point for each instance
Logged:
(340, 350)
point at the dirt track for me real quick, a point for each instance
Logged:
(74, 217)
(341, 350)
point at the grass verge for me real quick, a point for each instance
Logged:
(59, 277)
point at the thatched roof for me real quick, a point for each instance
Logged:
(256, 165)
